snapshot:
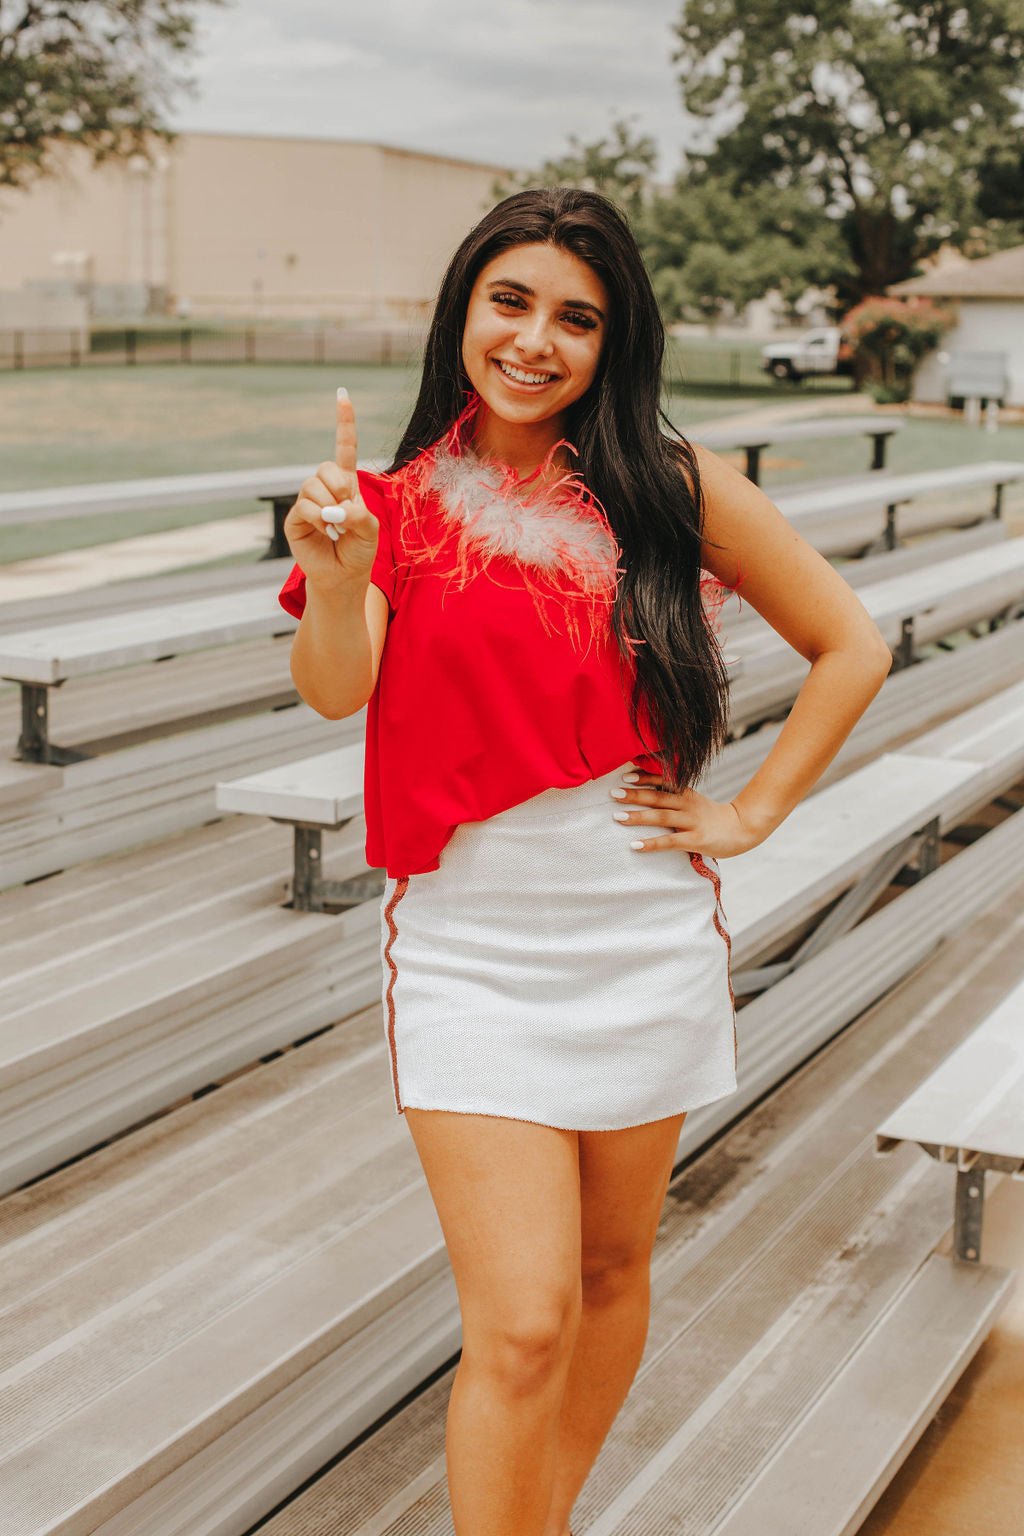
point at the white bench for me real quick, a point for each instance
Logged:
(754, 440)
(970, 1112)
(912, 609)
(279, 484)
(312, 794)
(41, 659)
(41, 612)
(863, 569)
(845, 518)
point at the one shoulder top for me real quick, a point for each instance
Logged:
(500, 676)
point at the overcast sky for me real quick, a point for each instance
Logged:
(500, 81)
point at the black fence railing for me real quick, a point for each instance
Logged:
(691, 365)
(189, 344)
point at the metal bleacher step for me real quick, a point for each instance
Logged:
(194, 685)
(120, 596)
(214, 1305)
(154, 790)
(862, 570)
(825, 1479)
(912, 700)
(780, 1254)
(206, 1253)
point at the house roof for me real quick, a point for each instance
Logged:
(990, 277)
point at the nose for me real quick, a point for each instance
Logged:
(532, 340)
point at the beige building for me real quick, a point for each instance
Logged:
(231, 226)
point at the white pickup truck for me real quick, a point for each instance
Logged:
(821, 351)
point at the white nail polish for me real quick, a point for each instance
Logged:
(621, 815)
(342, 392)
(333, 534)
(335, 514)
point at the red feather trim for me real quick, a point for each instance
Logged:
(556, 533)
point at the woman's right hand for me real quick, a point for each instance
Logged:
(330, 498)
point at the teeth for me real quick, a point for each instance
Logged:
(521, 377)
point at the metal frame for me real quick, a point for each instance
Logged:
(310, 891)
(278, 548)
(753, 452)
(969, 1191)
(889, 537)
(34, 744)
(909, 861)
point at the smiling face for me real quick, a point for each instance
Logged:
(534, 332)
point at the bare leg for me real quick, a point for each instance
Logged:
(507, 1194)
(623, 1179)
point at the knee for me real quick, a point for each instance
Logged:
(524, 1353)
(609, 1275)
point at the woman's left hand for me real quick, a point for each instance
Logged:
(689, 820)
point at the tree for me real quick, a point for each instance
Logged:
(92, 72)
(710, 246)
(620, 167)
(705, 247)
(882, 114)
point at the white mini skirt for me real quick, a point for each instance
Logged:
(547, 971)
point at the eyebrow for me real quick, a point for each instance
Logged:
(510, 282)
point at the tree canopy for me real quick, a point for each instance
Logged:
(888, 118)
(100, 73)
(620, 166)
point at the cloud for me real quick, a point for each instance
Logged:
(506, 83)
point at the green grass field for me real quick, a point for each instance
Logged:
(72, 426)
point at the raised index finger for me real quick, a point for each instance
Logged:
(345, 434)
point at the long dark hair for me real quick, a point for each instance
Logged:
(624, 458)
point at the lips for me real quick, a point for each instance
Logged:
(517, 383)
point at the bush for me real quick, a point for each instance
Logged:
(889, 338)
(888, 394)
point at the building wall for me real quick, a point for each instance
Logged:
(233, 226)
(984, 325)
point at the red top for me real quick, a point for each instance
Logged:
(483, 698)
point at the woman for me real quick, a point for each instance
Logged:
(526, 602)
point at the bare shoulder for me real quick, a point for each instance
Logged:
(747, 541)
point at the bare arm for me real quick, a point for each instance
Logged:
(808, 603)
(337, 647)
(333, 536)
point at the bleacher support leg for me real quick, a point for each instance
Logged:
(970, 1208)
(929, 850)
(278, 549)
(754, 462)
(35, 715)
(311, 892)
(903, 655)
(34, 744)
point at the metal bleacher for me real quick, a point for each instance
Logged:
(227, 1300)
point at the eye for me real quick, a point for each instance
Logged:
(572, 315)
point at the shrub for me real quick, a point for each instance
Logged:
(889, 338)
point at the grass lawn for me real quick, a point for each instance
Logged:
(72, 426)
